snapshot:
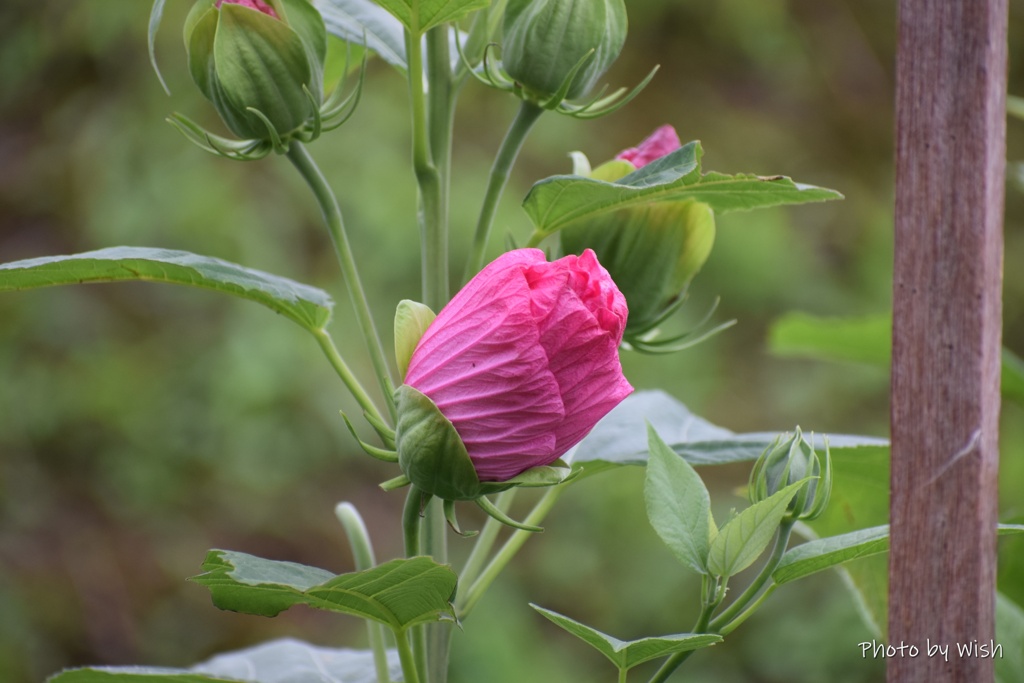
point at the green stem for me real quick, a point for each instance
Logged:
(485, 541)
(326, 343)
(362, 554)
(536, 238)
(412, 522)
(306, 167)
(525, 118)
(673, 662)
(736, 621)
(622, 675)
(507, 552)
(740, 603)
(433, 236)
(409, 672)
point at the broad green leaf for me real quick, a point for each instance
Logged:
(559, 200)
(867, 340)
(307, 306)
(823, 553)
(1009, 634)
(860, 500)
(625, 654)
(621, 437)
(678, 504)
(421, 15)
(279, 661)
(398, 594)
(364, 21)
(745, 536)
(136, 674)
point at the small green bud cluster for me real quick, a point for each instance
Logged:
(791, 458)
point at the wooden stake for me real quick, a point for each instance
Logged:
(950, 160)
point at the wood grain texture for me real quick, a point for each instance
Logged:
(950, 160)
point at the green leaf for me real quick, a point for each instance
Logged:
(678, 504)
(364, 21)
(136, 674)
(861, 340)
(398, 594)
(866, 340)
(559, 200)
(1009, 634)
(307, 306)
(420, 15)
(621, 437)
(746, 535)
(823, 553)
(625, 654)
(279, 661)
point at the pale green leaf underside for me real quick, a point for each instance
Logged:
(746, 535)
(823, 553)
(627, 654)
(308, 306)
(398, 594)
(279, 661)
(421, 15)
(364, 21)
(620, 438)
(557, 201)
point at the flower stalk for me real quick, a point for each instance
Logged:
(310, 172)
(508, 152)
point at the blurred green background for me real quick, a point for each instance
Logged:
(142, 424)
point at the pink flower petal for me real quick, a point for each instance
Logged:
(253, 4)
(661, 142)
(524, 360)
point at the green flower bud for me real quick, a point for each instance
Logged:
(651, 251)
(788, 460)
(546, 41)
(260, 62)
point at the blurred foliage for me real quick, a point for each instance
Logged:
(141, 425)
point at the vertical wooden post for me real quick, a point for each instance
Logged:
(950, 159)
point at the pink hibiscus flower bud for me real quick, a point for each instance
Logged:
(522, 362)
(658, 144)
(254, 4)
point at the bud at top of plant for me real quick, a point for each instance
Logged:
(259, 61)
(788, 460)
(522, 362)
(545, 41)
(652, 251)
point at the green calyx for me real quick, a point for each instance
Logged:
(554, 51)
(791, 458)
(434, 459)
(546, 41)
(263, 74)
(411, 321)
(430, 450)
